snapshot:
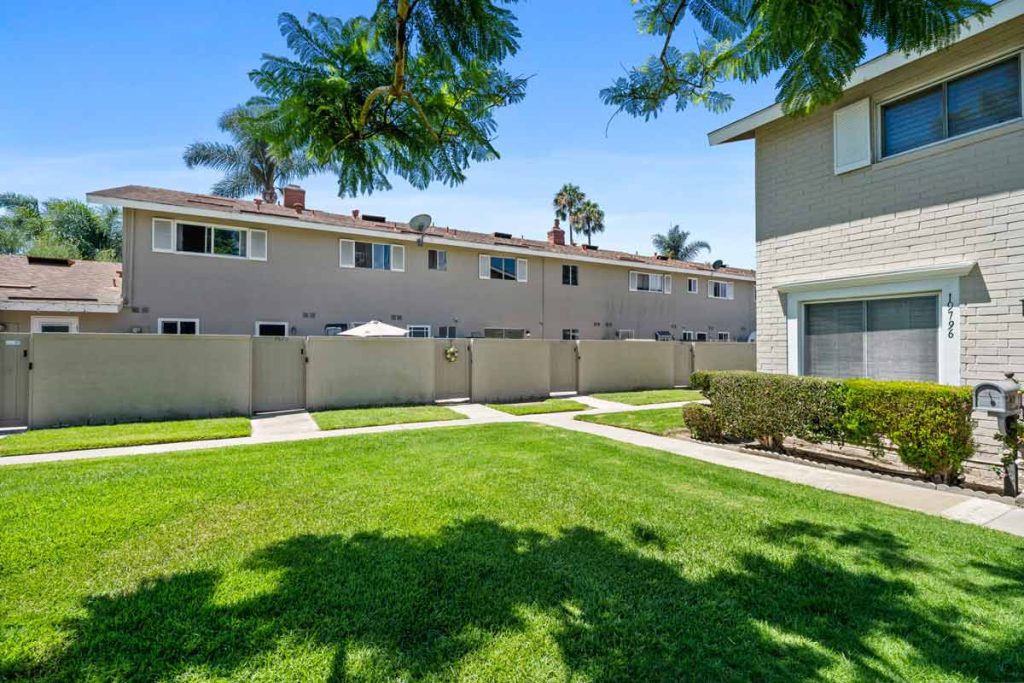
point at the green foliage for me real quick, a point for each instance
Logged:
(676, 244)
(409, 91)
(59, 228)
(815, 45)
(591, 219)
(567, 203)
(702, 421)
(929, 424)
(250, 165)
(768, 408)
(701, 380)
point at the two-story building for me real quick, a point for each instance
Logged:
(890, 225)
(198, 264)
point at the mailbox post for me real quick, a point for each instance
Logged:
(1002, 400)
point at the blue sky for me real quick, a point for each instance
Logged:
(109, 93)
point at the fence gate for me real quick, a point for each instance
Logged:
(14, 379)
(563, 366)
(451, 369)
(278, 374)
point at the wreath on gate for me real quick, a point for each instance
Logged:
(451, 354)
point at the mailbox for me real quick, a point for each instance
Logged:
(1000, 399)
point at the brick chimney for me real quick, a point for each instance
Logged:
(355, 213)
(294, 197)
(556, 235)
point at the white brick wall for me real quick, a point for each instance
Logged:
(958, 201)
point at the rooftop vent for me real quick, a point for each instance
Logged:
(49, 261)
(374, 219)
(590, 247)
(661, 257)
(503, 235)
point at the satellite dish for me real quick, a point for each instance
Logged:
(718, 264)
(420, 222)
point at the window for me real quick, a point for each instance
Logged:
(691, 285)
(875, 338)
(685, 336)
(504, 333)
(271, 329)
(980, 99)
(419, 331)
(650, 282)
(437, 259)
(371, 255)
(570, 334)
(67, 325)
(500, 268)
(571, 275)
(723, 336)
(702, 336)
(210, 240)
(334, 329)
(178, 325)
(625, 334)
(447, 332)
(720, 290)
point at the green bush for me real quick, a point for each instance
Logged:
(702, 422)
(929, 424)
(768, 408)
(700, 380)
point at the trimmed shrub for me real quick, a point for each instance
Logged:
(700, 380)
(768, 408)
(702, 422)
(929, 424)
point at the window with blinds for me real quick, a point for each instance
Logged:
(877, 338)
(977, 100)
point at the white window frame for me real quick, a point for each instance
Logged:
(573, 268)
(446, 328)
(409, 329)
(395, 249)
(946, 288)
(687, 335)
(634, 282)
(625, 334)
(574, 333)
(724, 337)
(484, 268)
(692, 285)
(37, 322)
(256, 327)
(437, 260)
(879, 146)
(729, 290)
(697, 336)
(160, 325)
(248, 232)
(505, 331)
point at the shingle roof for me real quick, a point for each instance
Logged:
(25, 280)
(250, 210)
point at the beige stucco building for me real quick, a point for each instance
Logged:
(890, 226)
(202, 264)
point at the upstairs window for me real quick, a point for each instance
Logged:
(419, 331)
(980, 99)
(650, 282)
(178, 326)
(501, 268)
(691, 285)
(723, 336)
(447, 332)
(371, 256)
(437, 259)
(720, 290)
(211, 240)
(686, 335)
(570, 334)
(571, 275)
(271, 329)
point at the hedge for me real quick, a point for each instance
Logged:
(702, 422)
(929, 425)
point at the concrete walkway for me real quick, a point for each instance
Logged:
(299, 426)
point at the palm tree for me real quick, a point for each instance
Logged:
(676, 244)
(567, 205)
(250, 165)
(591, 219)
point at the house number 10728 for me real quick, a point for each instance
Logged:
(949, 311)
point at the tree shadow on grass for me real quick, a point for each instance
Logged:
(421, 605)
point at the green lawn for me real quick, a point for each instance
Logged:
(131, 434)
(646, 398)
(551, 405)
(372, 417)
(509, 552)
(661, 421)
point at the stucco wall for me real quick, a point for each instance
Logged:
(621, 366)
(724, 356)
(366, 372)
(451, 377)
(957, 201)
(302, 284)
(87, 378)
(506, 370)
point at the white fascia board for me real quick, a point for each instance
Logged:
(398, 236)
(743, 129)
(880, 277)
(59, 307)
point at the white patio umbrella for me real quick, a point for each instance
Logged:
(375, 328)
